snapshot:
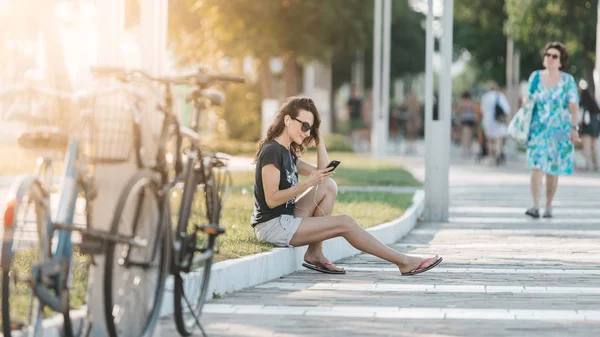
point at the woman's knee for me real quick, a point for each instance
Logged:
(346, 222)
(330, 187)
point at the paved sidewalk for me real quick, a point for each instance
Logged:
(502, 275)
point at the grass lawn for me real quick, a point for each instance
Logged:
(369, 209)
(21, 291)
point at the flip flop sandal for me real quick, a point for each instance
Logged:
(532, 212)
(321, 267)
(420, 270)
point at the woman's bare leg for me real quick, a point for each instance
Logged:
(306, 206)
(491, 144)
(536, 186)
(587, 150)
(319, 229)
(551, 186)
(595, 152)
(466, 139)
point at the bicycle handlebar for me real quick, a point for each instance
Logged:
(16, 91)
(199, 77)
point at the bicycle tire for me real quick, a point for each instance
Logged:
(187, 242)
(31, 190)
(149, 183)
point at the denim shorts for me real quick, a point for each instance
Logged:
(278, 231)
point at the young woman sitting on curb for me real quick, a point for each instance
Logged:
(281, 219)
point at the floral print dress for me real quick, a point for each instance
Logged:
(549, 148)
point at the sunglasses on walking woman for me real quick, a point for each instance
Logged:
(554, 56)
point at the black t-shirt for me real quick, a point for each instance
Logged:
(355, 105)
(273, 153)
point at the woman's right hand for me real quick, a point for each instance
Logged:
(318, 176)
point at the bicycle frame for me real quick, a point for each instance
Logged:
(61, 260)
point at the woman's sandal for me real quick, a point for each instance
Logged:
(419, 268)
(533, 212)
(327, 268)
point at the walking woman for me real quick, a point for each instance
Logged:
(281, 219)
(554, 125)
(466, 111)
(590, 128)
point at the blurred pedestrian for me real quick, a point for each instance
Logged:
(466, 111)
(590, 128)
(414, 122)
(554, 125)
(495, 109)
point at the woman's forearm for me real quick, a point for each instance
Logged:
(280, 197)
(574, 108)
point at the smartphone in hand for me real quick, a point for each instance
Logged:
(334, 164)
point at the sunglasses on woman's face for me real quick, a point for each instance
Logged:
(554, 56)
(305, 126)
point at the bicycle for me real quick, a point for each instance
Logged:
(153, 181)
(141, 208)
(194, 244)
(47, 278)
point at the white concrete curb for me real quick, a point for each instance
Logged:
(232, 275)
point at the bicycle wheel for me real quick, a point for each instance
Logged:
(25, 244)
(191, 277)
(134, 276)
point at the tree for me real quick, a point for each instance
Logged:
(572, 22)
(407, 47)
(298, 30)
(479, 29)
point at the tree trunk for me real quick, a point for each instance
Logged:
(334, 119)
(290, 75)
(264, 77)
(58, 75)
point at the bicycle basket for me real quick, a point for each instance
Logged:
(107, 132)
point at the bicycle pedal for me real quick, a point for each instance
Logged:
(16, 326)
(211, 229)
(91, 245)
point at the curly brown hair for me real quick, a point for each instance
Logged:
(291, 107)
(564, 54)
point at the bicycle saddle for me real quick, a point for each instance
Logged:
(215, 97)
(44, 137)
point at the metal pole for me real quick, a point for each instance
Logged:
(509, 69)
(446, 107)
(385, 73)
(516, 79)
(438, 126)
(109, 179)
(429, 136)
(377, 31)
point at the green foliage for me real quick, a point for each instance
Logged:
(242, 112)
(307, 28)
(407, 46)
(535, 23)
(234, 147)
(482, 28)
(336, 142)
(479, 29)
